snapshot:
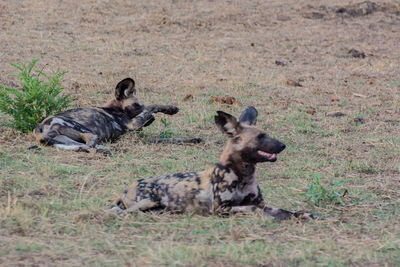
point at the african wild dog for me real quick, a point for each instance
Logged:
(230, 186)
(84, 128)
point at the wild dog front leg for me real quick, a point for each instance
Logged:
(145, 118)
(248, 209)
(282, 214)
(166, 109)
(276, 213)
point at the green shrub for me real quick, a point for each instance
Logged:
(320, 195)
(36, 100)
(165, 132)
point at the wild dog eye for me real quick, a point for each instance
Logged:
(261, 136)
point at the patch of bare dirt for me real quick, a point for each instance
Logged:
(225, 100)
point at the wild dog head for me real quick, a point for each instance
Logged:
(125, 99)
(246, 143)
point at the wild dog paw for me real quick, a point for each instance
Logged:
(281, 214)
(171, 110)
(278, 214)
(103, 150)
(83, 148)
(115, 208)
(305, 215)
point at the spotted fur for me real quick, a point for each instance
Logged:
(85, 128)
(229, 186)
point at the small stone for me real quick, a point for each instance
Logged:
(188, 97)
(283, 18)
(335, 114)
(225, 100)
(357, 54)
(311, 111)
(359, 120)
(314, 15)
(293, 83)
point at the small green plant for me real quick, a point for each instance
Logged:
(165, 133)
(320, 195)
(36, 100)
(363, 167)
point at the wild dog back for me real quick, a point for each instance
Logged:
(84, 128)
(208, 192)
(180, 192)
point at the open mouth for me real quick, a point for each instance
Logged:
(268, 156)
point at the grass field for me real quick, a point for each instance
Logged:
(53, 204)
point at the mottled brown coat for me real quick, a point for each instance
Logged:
(229, 186)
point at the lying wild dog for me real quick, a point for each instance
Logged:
(230, 186)
(85, 128)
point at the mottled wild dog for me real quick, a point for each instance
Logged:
(230, 186)
(85, 128)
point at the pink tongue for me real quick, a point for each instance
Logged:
(268, 155)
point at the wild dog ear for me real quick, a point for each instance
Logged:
(125, 88)
(227, 124)
(249, 116)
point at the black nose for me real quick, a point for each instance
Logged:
(283, 146)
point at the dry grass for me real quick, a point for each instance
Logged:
(52, 204)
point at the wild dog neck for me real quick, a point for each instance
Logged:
(113, 104)
(129, 107)
(235, 162)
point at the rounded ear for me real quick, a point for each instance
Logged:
(249, 116)
(227, 124)
(125, 88)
